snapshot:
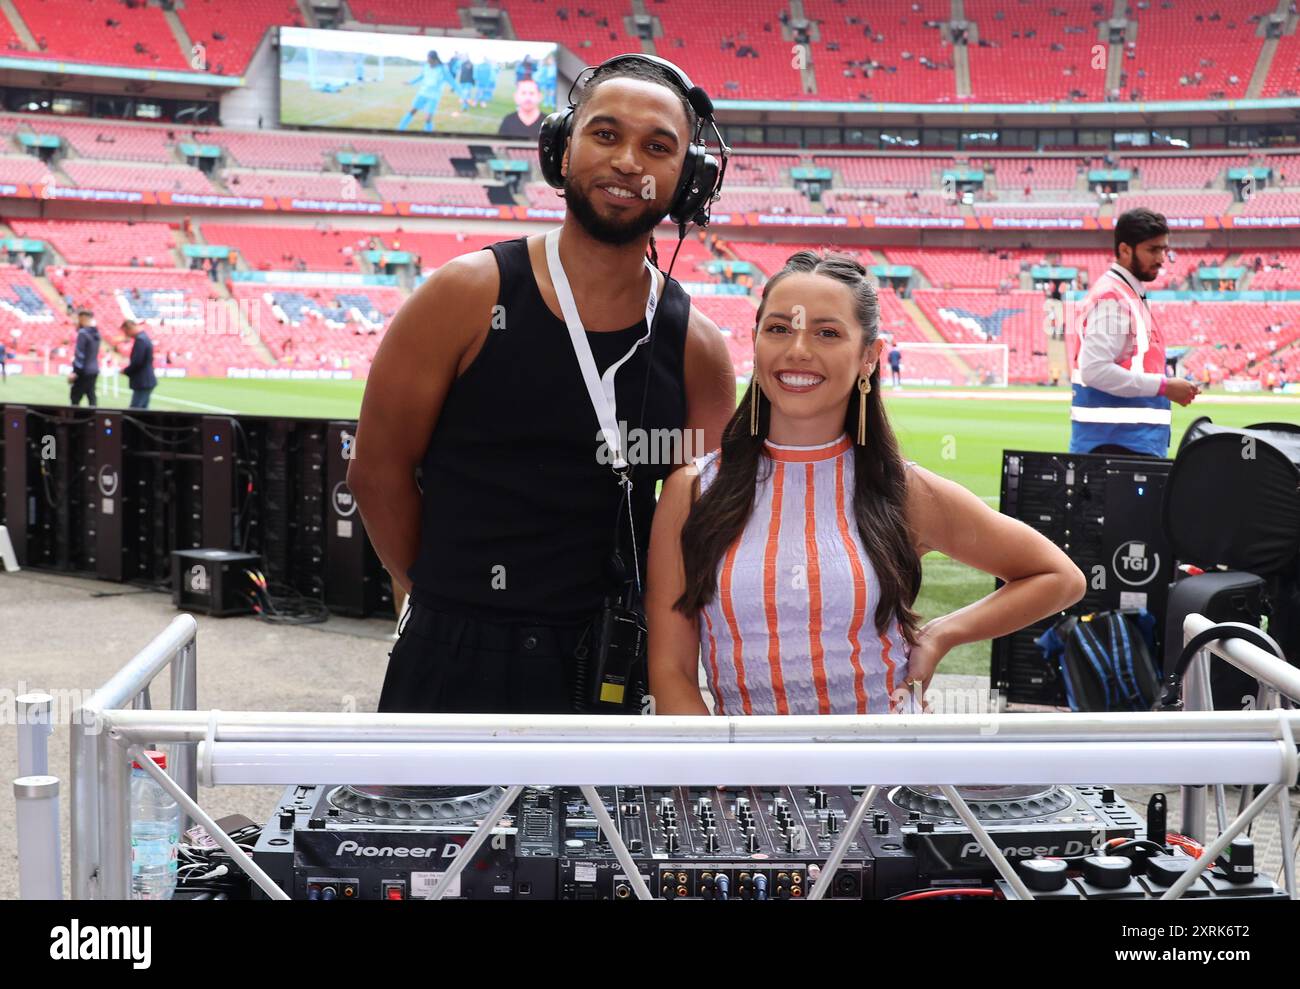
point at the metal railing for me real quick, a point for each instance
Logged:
(221, 748)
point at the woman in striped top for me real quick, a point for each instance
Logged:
(789, 559)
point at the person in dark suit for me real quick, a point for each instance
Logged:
(139, 371)
(85, 360)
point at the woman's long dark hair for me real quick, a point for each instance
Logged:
(880, 491)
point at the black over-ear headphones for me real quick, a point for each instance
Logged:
(701, 179)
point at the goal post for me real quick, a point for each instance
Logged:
(964, 364)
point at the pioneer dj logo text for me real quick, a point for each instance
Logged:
(1071, 849)
(450, 850)
(77, 943)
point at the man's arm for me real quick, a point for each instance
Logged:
(710, 382)
(1103, 344)
(413, 370)
(136, 363)
(81, 352)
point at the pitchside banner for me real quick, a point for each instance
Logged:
(401, 82)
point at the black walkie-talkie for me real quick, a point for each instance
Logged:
(618, 657)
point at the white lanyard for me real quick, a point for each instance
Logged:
(599, 387)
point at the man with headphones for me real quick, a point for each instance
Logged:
(510, 381)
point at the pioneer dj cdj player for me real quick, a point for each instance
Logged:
(700, 843)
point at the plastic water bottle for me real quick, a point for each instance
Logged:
(155, 835)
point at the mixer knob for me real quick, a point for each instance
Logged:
(711, 840)
(882, 824)
(820, 799)
(672, 843)
(832, 823)
(704, 806)
(751, 841)
(793, 841)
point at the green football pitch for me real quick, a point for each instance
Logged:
(961, 438)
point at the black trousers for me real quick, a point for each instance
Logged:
(84, 384)
(445, 662)
(1116, 448)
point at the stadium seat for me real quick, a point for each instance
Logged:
(328, 185)
(231, 30)
(1016, 318)
(901, 29)
(1029, 53)
(405, 156)
(78, 31)
(283, 248)
(137, 178)
(94, 242)
(268, 149)
(394, 188)
(1226, 48)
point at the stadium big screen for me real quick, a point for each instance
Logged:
(398, 82)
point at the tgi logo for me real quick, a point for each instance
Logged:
(344, 503)
(107, 481)
(199, 579)
(1133, 565)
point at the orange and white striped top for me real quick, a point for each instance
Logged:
(792, 628)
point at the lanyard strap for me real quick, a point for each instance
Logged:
(600, 388)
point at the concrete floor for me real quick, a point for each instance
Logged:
(68, 636)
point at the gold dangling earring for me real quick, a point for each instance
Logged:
(864, 389)
(755, 395)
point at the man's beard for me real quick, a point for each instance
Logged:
(608, 231)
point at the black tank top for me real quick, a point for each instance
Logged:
(518, 513)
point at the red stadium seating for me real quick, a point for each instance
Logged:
(137, 178)
(241, 25)
(77, 31)
(748, 170)
(415, 157)
(24, 168)
(903, 29)
(771, 258)
(885, 172)
(735, 200)
(188, 309)
(282, 248)
(426, 13)
(1227, 336)
(109, 139)
(270, 149)
(542, 196)
(1284, 74)
(693, 35)
(397, 189)
(435, 249)
(1183, 173)
(1037, 56)
(962, 268)
(1016, 318)
(1281, 269)
(1176, 203)
(891, 204)
(1228, 43)
(735, 315)
(1273, 202)
(334, 328)
(591, 42)
(91, 242)
(29, 323)
(1036, 174)
(329, 185)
